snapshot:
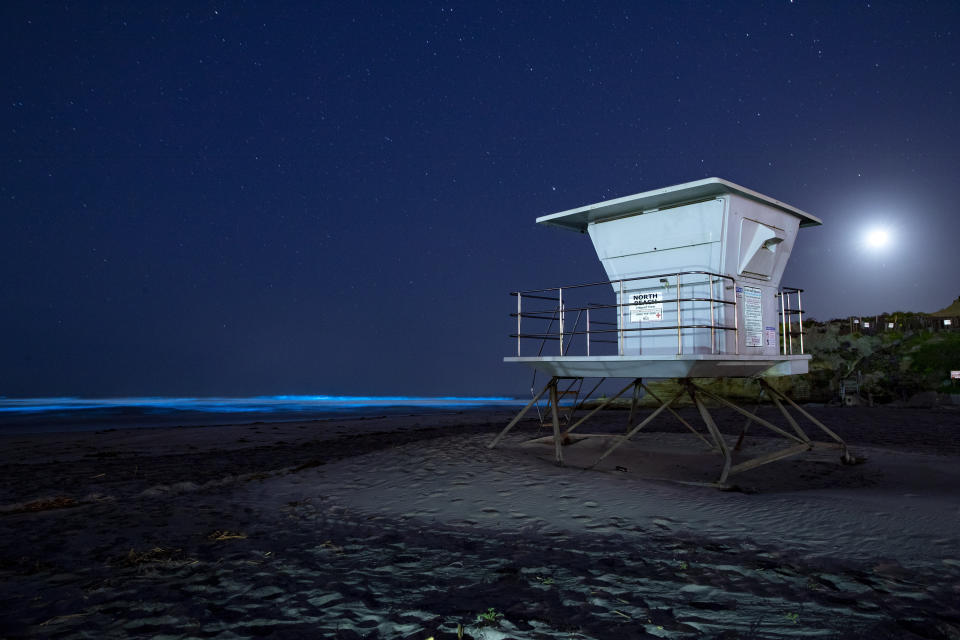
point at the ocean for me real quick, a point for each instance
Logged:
(37, 415)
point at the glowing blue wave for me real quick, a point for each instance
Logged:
(260, 404)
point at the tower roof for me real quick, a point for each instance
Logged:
(578, 219)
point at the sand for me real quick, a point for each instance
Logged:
(410, 527)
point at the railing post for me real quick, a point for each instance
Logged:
(519, 316)
(790, 324)
(620, 317)
(783, 324)
(800, 316)
(736, 318)
(679, 330)
(713, 337)
(560, 295)
(588, 332)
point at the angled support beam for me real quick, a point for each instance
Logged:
(595, 409)
(789, 418)
(589, 395)
(770, 457)
(744, 412)
(637, 428)
(845, 455)
(520, 415)
(679, 417)
(692, 389)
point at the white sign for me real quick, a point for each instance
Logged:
(646, 307)
(947, 322)
(889, 325)
(752, 317)
(866, 325)
(955, 375)
(770, 334)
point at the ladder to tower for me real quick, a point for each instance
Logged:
(567, 403)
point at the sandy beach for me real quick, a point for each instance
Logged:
(408, 526)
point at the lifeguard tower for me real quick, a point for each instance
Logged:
(694, 271)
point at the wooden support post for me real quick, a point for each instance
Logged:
(714, 431)
(520, 415)
(634, 402)
(595, 409)
(746, 423)
(555, 414)
(637, 428)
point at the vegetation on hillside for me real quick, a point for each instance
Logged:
(889, 366)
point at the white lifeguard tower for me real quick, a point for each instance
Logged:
(695, 274)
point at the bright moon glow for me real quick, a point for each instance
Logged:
(877, 238)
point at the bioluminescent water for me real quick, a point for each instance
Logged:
(19, 415)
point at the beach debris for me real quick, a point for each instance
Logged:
(59, 619)
(226, 535)
(135, 558)
(619, 468)
(329, 545)
(621, 613)
(43, 504)
(792, 617)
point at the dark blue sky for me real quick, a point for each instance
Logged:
(242, 198)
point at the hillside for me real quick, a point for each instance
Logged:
(890, 365)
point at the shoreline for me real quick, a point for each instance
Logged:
(405, 526)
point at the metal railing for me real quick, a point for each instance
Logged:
(708, 317)
(701, 298)
(787, 314)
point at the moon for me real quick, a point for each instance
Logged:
(877, 238)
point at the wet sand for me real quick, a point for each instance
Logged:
(410, 527)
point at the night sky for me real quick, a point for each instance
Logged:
(257, 198)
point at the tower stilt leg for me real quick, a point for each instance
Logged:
(520, 415)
